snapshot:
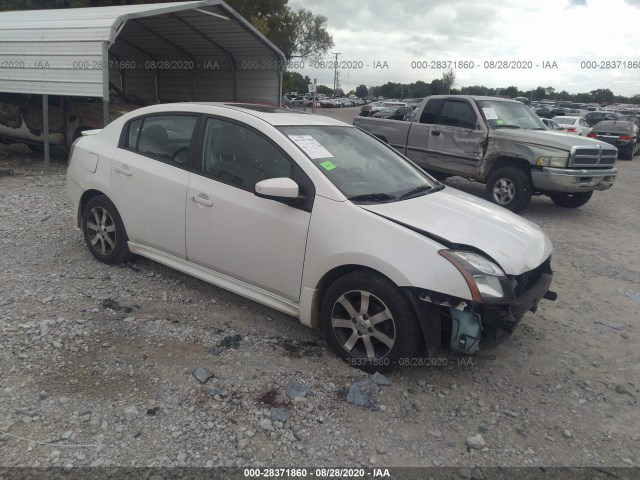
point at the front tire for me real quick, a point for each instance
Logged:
(369, 322)
(510, 188)
(104, 231)
(571, 200)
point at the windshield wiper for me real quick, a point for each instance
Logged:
(506, 125)
(414, 191)
(372, 197)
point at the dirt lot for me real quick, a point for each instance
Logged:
(97, 362)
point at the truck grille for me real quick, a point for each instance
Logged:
(597, 156)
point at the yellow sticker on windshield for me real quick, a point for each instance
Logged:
(499, 122)
(327, 165)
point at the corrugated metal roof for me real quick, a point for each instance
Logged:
(176, 51)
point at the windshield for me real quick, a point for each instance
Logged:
(509, 115)
(565, 121)
(361, 167)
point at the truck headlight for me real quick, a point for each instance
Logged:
(486, 280)
(548, 161)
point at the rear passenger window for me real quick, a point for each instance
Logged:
(238, 156)
(166, 137)
(134, 133)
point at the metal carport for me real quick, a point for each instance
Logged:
(181, 51)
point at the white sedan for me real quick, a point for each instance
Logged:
(574, 125)
(314, 218)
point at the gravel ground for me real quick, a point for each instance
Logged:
(105, 365)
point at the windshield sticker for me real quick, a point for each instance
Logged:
(499, 122)
(327, 165)
(310, 146)
(490, 113)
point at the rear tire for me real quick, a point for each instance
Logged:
(369, 322)
(571, 200)
(509, 187)
(629, 152)
(104, 231)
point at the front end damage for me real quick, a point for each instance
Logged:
(463, 326)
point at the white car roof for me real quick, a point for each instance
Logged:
(268, 113)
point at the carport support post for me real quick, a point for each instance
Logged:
(105, 83)
(45, 131)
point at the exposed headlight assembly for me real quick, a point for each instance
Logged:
(486, 280)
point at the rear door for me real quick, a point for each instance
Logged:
(149, 177)
(454, 143)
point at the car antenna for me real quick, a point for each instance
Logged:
(188, 96)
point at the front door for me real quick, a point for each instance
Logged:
(232, 231)
(454, 143)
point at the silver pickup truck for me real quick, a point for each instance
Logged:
(503, 144)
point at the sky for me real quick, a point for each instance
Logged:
(411, 34)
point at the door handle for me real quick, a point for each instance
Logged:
(202, 200)
(435, 133)
(123, 170)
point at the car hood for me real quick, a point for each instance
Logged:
(546, 138)
(518, 245)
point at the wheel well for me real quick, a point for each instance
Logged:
(86, 196)
(330, 277)
(501, 162)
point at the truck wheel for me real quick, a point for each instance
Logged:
(510, 188)
(571, 200)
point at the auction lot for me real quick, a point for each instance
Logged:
(97, 362)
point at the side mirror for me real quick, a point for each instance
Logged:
(283, 190)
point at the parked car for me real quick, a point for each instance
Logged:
(592, 118)
(575, 125)
(393, 113)
(552, 124)
(21, 116)
(495, 141)
(365, 111)
(630, 118)
(385, 104)
(298, 212)
(544, 112)
(622, 134)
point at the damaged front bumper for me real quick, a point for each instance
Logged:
(466, 326)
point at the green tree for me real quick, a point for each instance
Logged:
(511, 92)
(539, 93)
(296, 33)
(294, 82)
(362, 91)
(602, 95)
(324, 90)
(448, 80)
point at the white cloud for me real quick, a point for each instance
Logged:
(567, 32)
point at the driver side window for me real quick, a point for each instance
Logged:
(458, 114)
(238, 156)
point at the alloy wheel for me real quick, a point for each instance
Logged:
(103, 230)
(363, 325)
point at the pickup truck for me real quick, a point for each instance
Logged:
(503, 144)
